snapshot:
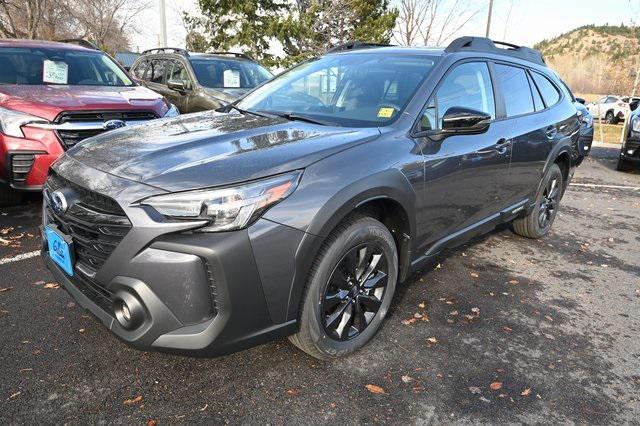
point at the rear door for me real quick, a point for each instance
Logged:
(527, 98)
(465, 172)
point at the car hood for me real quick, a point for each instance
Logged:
(212, 149)
(47, 101)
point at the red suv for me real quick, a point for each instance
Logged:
(54, 95)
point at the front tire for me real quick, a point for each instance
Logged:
(538, 222)
(349, 289)
(624, 165)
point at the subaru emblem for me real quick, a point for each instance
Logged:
(113, 124)
(58, 202)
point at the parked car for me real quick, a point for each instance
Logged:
(630, 149)
(612, 108)
(54, 95)
(300, 209)
(586, 124)
(198, 81)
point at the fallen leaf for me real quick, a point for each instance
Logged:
(454, 313)
(495, 386)
(408, 321)
(507, 329)
(474, 274)
(417, 315)
(292, 392)
(432, 340)
(15, 395)
(203, 408)
(2, 290)
(51, 285)
(548, 318)
(422, 305)
(81, 330)
(152, 422)
(5, 231)
(407, 379)
(39, 283)
(514, 282)
(526, 392)
(549, 336)
(475, 390)
(476, 311)
(132, 401)
(374, 389)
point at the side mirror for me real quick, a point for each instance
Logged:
(465, 120)
(177, 85)
(581, 100)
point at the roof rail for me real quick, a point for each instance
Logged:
(80, 42)
(483, 44)
(354, 45)
(178, 50)
(236, 54)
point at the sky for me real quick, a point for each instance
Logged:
(523, 22)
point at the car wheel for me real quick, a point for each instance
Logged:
(9, 197)
(349, 289)
(538, 222)
(624, 165)
(609, 118)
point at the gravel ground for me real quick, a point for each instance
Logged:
(511, 330)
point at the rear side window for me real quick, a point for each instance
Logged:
(549, 92)
(515, 90)
(469, 86)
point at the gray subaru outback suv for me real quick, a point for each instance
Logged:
(298, 210)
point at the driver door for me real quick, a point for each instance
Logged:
(466, 173)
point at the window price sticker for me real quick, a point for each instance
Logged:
(55, 72)
(231, 78)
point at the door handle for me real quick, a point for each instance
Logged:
(502, 146)
(551, 132)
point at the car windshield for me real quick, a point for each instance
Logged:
(229, 73)
(356, 89)
(37, 66)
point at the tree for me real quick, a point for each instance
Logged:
(244, 24)
(21, 18)
(431, 22)
(317, 25)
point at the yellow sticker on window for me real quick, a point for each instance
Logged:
(386, 112)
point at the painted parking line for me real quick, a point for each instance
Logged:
(19, 257)
(593, 185)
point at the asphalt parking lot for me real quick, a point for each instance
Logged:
(503, 329)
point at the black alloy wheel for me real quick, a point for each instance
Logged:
(354, 292)
(549, 203)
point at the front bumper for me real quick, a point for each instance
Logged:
(630, 151)
(202, 294)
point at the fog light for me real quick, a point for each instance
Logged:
(128, 311)
(630, 152)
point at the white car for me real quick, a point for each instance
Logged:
(611, 108)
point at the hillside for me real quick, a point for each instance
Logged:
(595, 59)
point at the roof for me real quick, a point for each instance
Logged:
(126, 59)
(394, 50)
(40, 43)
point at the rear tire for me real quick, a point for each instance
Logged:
(349, 289)
(609, 118)
(538, 222)
(9, 197)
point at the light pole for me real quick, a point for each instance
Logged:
(163, 24)
(489, 18)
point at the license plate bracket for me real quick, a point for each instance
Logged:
(61, 249)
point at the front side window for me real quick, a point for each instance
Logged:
(515, 90)
(140, 68)
(547, 89)
(178, 73)
(229, 73)
(469, 86)
(51, 66)
(355, 89)
(156, 71)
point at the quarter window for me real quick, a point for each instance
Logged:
(515, 90)
(537, 99)
(547, 89)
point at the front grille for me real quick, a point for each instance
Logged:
(71, 136)
(21, 166)
(96, 223)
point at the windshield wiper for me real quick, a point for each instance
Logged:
(292, 116)
(243, 111)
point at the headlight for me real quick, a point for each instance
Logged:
(12, 121)
(172, 111)
(635, 124)
(585, 118)
(226, 208)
